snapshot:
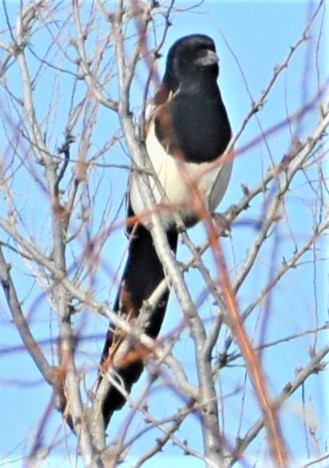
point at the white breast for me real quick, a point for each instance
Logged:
(178, 181)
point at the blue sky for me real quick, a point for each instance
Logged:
(260, 34)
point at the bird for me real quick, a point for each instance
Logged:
(187, 131)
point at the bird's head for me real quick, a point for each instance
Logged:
(191, 58)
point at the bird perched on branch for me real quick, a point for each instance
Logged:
(187, 132)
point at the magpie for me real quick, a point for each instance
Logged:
(187, 131)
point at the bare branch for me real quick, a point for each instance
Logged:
(22, 326)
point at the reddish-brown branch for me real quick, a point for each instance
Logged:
(256, 373)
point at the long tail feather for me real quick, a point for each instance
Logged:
(142, 274)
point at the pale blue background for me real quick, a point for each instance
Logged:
(260, 34)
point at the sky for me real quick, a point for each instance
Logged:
(252, 38)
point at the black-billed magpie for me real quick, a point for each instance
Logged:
(187, 131)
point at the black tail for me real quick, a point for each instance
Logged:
(142, 274)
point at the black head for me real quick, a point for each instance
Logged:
(191, 58)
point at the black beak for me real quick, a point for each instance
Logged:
(208, 57)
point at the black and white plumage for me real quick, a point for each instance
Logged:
(187, 132)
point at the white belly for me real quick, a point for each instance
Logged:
(179, 182)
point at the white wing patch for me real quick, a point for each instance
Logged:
(177, 180)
